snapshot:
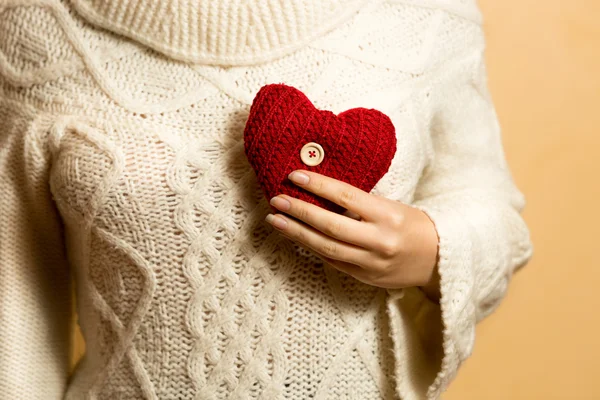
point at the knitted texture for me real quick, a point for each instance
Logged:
(195, 30)
(123, 168)
(358, 144)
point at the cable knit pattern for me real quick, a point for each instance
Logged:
(122, 166)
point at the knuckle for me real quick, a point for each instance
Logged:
(380, 266)
(378, 274)
(302, 213)
(389, 247)
(330, 249)
(396, 220)
(319, 185)
(346, 198)
(299, 236)
(333, 229)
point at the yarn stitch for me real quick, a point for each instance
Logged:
(360, 143)
(122, 169)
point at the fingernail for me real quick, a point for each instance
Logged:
(280, 203)
(298, 177)
(277, 222)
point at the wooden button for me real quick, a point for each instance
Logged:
(312, 154)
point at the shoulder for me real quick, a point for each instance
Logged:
(44, 40)
(465, 9)
(34, 46)
(51, 60)
(42, 47)
(412, 36)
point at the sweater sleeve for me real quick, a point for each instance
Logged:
(468, 192)
(35, 309)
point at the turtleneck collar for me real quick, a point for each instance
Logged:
(221, 32)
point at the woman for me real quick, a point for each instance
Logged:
(123, 167)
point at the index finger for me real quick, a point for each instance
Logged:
(342, 193)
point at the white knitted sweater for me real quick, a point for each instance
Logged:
(122, 166)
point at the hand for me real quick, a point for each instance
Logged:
(379, 241)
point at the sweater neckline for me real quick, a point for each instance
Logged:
(221, 32)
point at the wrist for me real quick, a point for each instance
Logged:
(432, 287)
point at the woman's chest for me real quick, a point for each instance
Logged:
(179, 133)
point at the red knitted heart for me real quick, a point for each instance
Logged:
(358, 143)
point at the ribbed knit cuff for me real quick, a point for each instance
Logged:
(456, 262)
(431, 340)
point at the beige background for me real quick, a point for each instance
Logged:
(544, 70)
